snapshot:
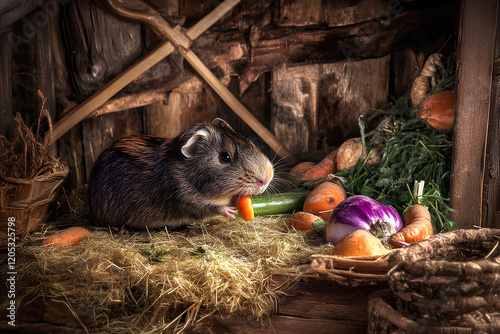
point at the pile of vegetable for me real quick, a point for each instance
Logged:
(359, 225)
(413, 151)
(410, 146)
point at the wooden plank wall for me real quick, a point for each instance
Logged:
(253, 50)
(475, 56)
(94, 61)
(317, 104)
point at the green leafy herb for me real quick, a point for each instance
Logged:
(155, 254)
(158, 254)
(412, 151)
(200, 251)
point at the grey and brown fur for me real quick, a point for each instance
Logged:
(144, 181)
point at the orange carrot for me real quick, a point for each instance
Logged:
(303, 220)
(245, 207)
(360, 243)
(308, 170)
(438, 110)
(418, 227)
(322, 199)
(301, 168)
(322, 168)
(68, 237)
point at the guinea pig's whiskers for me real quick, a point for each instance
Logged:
(276, 154)
(283, 182)
(282, 159)
(280, 164)
(272, 189)
(168, 234)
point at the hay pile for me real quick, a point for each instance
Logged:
(156, 280)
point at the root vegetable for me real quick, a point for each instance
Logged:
(309, 170)
(360, 243)
(350, 152)
(322, 168)
(304, 220)
(68, 237)
(244, 205)
(418, 227)
(433, 67)
(324, 198)
(420, 89)
(301, 168)
(438, 110)
(427, 80)
(362, 212)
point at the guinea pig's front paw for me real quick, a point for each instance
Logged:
(122, 230)
(228, 211)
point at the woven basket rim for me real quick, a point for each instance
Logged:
(351, 271)
(60, 170)
(416, 253)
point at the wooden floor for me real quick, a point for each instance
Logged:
(309, 305)
(305, 305)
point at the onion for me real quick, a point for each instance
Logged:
(362, 212)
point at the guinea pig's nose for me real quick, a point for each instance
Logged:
(260, 182)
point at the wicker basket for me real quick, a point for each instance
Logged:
(384, 318)
(351, 271)
(450, 280)
(28, 201)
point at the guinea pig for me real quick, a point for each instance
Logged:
(149, 182)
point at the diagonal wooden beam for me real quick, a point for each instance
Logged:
(114, 86)
(143, 13)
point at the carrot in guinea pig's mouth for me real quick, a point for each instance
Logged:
(244, 205)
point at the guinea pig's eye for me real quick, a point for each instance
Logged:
(225, 157)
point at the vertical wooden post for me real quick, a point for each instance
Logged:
(6, 114)
(491, 200)
(475, 55)
(164, 120)
(45, 76)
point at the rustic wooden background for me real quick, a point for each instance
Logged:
(305, 69)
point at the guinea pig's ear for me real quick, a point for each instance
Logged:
(220, 121)
(188, 148)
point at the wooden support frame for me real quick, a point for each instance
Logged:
(173, 38)
(143, 13)
(475, 57)
(114, 86)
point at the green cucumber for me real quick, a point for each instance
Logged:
(275, 204)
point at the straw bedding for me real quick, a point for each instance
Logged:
(162, 279)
